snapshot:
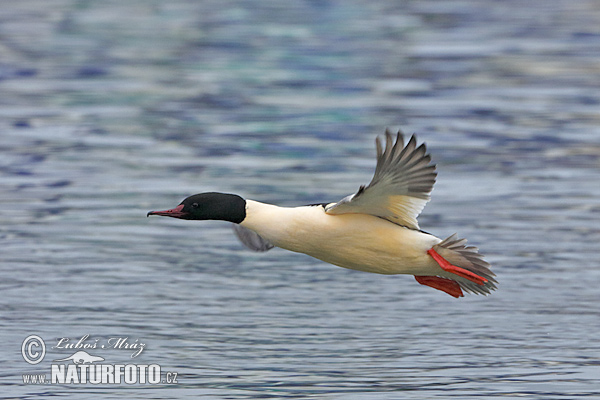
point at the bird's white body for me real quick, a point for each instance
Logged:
(356, 241)
(373, 230)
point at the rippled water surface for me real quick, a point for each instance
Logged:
(110, 109)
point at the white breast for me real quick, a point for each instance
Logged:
(356, 241)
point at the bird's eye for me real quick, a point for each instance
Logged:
(195, 205)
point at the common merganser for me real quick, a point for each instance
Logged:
(373, 230)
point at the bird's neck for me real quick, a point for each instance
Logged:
(262, 217)
(278, 225)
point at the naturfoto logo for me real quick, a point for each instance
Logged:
(83, 365)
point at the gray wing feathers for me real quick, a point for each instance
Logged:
(405, 169)
(251, 239)
(400, 187)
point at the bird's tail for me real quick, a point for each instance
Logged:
(457, 253)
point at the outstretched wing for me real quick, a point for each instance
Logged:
(401, 185)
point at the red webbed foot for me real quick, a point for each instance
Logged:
(463, 273)
(445, 285)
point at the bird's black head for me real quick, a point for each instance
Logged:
(203, 206)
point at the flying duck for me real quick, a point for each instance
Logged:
(373, 230)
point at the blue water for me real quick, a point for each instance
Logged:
(110, 109)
